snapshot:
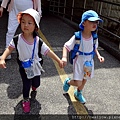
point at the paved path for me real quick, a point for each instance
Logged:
(102, 92)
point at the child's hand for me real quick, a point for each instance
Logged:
(101, 59)
(61, 64)
(2, 64)
(64, 59)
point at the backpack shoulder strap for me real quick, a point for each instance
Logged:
(39, 50)
(73, 52)
(95, 36)
(39, 47)
(15, 39)
(78, 35)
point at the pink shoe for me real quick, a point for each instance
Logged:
(26, 106)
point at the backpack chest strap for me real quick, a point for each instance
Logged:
(83, 53)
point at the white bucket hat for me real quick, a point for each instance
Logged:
(32, 13)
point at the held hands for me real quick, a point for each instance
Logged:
(64, 60)
(61, 64)
(101, 59)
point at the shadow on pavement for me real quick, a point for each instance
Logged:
(34, 112)
(71, 109)
(14, 91)
(11, 76)
(72, 112)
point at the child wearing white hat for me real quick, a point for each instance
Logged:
(27, 48)
(83, 63)
(14, 7)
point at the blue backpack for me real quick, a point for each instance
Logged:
(72, 53)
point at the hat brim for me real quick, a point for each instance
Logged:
(90, 19)
(95, 19)
(19, 15)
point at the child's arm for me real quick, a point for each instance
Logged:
(101, 59)
(52, 55)
(6, 53)
(64, 56)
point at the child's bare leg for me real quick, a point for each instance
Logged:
(78, 92)
(82, 85)
(69, 82)
(76, 83)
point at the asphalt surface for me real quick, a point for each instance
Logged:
(102, 92)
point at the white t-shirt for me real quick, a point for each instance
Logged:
(78, 62)
(25, 50)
